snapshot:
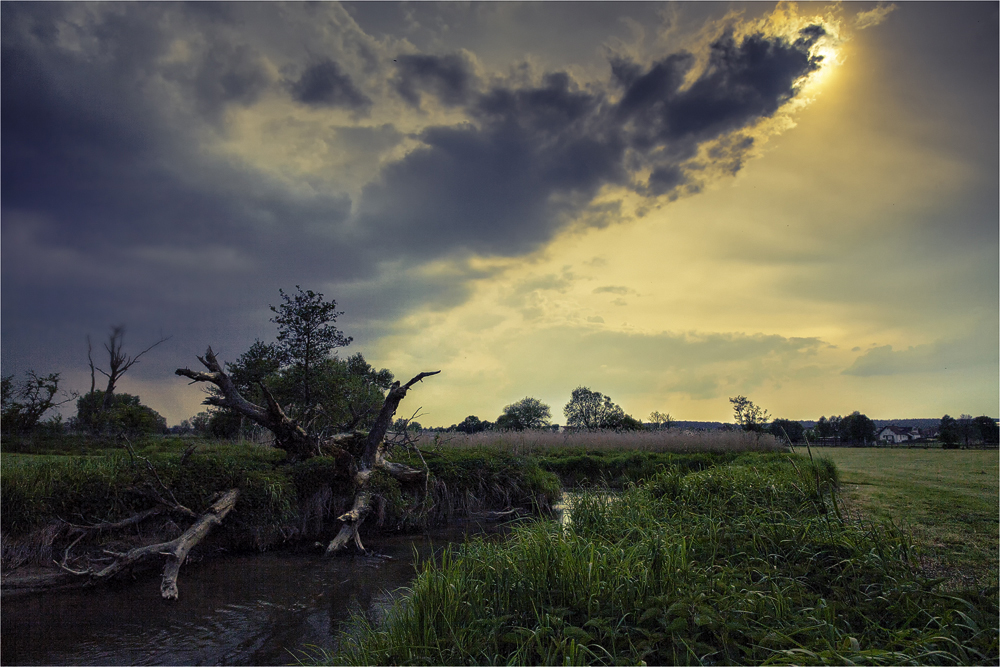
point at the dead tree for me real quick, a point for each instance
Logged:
(118, 361)
(360, 453)
(175, 550)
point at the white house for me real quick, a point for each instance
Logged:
(893, 434)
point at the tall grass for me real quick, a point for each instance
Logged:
(665, 440)
(736, 564)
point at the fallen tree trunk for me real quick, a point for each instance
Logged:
(176, 550)
(299, 444)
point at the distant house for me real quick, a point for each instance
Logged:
(894, 435)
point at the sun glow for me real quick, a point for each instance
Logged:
(826, 49)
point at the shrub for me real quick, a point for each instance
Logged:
(125, 414)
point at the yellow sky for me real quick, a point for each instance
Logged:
(819, 205)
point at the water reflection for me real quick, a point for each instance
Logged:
(232, 611)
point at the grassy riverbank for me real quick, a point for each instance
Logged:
(741, 563)
(279, 503)
(946, 500)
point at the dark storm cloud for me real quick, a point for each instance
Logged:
(326, 84)
(449, 78)
(227, 74)
(113, 212)
(536, 156)
(742, 83)
(504, 186)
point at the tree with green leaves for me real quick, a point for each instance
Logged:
(121, 414)
(748, 415)
(828, 428)
(779, 428)
(949, 433)
(661, 420)
(592, 410)
(472, 424)
(857, 428)
(987, 430)
(306, 335)
(528, 413)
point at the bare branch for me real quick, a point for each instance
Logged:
(384, 419)
(118, 361)
(90, 360)
(149, 466)
(288, 434)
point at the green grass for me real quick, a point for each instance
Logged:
(742, 563)
(578, 467)
(278, 502)
(947, 500)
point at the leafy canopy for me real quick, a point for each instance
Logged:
(593, 410)
(325, 393)
(306, 335)
(525, 414)
(124, 413)
(858, 428)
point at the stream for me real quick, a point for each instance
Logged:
(262, 609)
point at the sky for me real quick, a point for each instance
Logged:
(671, 204)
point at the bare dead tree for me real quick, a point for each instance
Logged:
(360, 453)
(118, 361)
(90, 360)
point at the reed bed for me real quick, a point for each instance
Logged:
(744, 563)
(664, 440)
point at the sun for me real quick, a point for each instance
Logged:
(828, 51)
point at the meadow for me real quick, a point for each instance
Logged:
(946, 500)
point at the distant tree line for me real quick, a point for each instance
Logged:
(327, 394)
(586, 410)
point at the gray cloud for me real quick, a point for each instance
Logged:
(449, 78)
(612, 289)
(325, 84)
(538, 154)
(976, 350)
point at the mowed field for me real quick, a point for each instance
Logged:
(948, 500)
